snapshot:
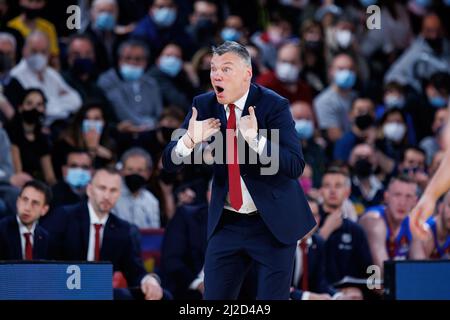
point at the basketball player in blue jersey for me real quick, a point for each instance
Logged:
(387, 226)
(437, 244)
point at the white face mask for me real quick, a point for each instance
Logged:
(394, 131)
(343, 38)
(37, 62)
(287, 72)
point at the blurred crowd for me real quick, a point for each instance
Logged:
(369, 106)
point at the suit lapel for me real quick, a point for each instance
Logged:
(39, 244)
(85, 225)
(251, 99)
(14, 236)
(108, 235)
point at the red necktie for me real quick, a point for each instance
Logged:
(234, 176)
(97, 226)
(304, 248)
(28, 246)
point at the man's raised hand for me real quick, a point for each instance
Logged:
(200, 130)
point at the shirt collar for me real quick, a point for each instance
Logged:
(93, 216)
(23, 228)
(240, 103)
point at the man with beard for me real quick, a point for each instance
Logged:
(136, 204)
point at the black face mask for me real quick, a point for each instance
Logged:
(82, 66)
(31, 13)
(32, 116)
(166, 133)
(362, 168)
(6, 63)
(167, 177)
(436, 44)
(363, 122)
(135, 182)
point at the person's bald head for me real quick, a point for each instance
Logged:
(431, 26)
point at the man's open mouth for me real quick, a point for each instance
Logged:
(219, 89)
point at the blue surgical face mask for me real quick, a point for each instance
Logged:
(304, 128)
(88, 125)
(170, 65)
(394, 101)
(345, 79)
(130, 72)
(164, 17)
(437, 101)
(230, 34)
(78, 177)
(105, 21)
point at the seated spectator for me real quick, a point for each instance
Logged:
(431, 144)
(161, 26)
(333, 104)
(101, 29)
(367, 189)
(313, 152)
(413, 164)
(31, 20)
(201, 62)
(347, 250)
(33, 72)
(362, 119)
(10, 182)
(387, 226)
(87, 130)
(76, 174)
(136, 204)
(82, 69)
(175, 83)
(134, 95)
(234, 30)
(73, 231)
(11, 88)
(428, 54)
(286, 78)
(437, 243)
(30, 145)
(21, 237)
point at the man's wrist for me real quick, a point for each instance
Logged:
(188, 141)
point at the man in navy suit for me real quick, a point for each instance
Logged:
(89, 231)
(258, 210)
(20, 235)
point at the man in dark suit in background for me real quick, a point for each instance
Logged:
(20, 235)
(88, 231)
(255, 215)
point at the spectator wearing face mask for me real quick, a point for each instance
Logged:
(161, 26)
(234, 30)
(413, 164)
(432, 144)
(333, 104)
(31, 20)
(136, 204)
(285, 79)
(428, 54)
(392, 139)
(30, 146)
(362, 117)
(134, 95)
(88, 130)
(33, 71)
(367, 189)
(76, 174)
(313, 152)
(170, 72)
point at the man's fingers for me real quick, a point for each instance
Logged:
(251, 111)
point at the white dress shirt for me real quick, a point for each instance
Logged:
(61, 98)
(247, 202)
(24, 229)
(93, 218)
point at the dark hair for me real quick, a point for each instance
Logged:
(415, 148)
(440, 81)
(234, 47)
(82, 36)
(402, 178)
(134, 42)
(41, 187)
(394, 85)
(77, 151)
(28, 91)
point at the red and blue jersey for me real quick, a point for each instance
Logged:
(398, 245)
(439, 252)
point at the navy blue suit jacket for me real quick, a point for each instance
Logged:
(69, 234)
(278, 197)
(317, 280)
(10, 242)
